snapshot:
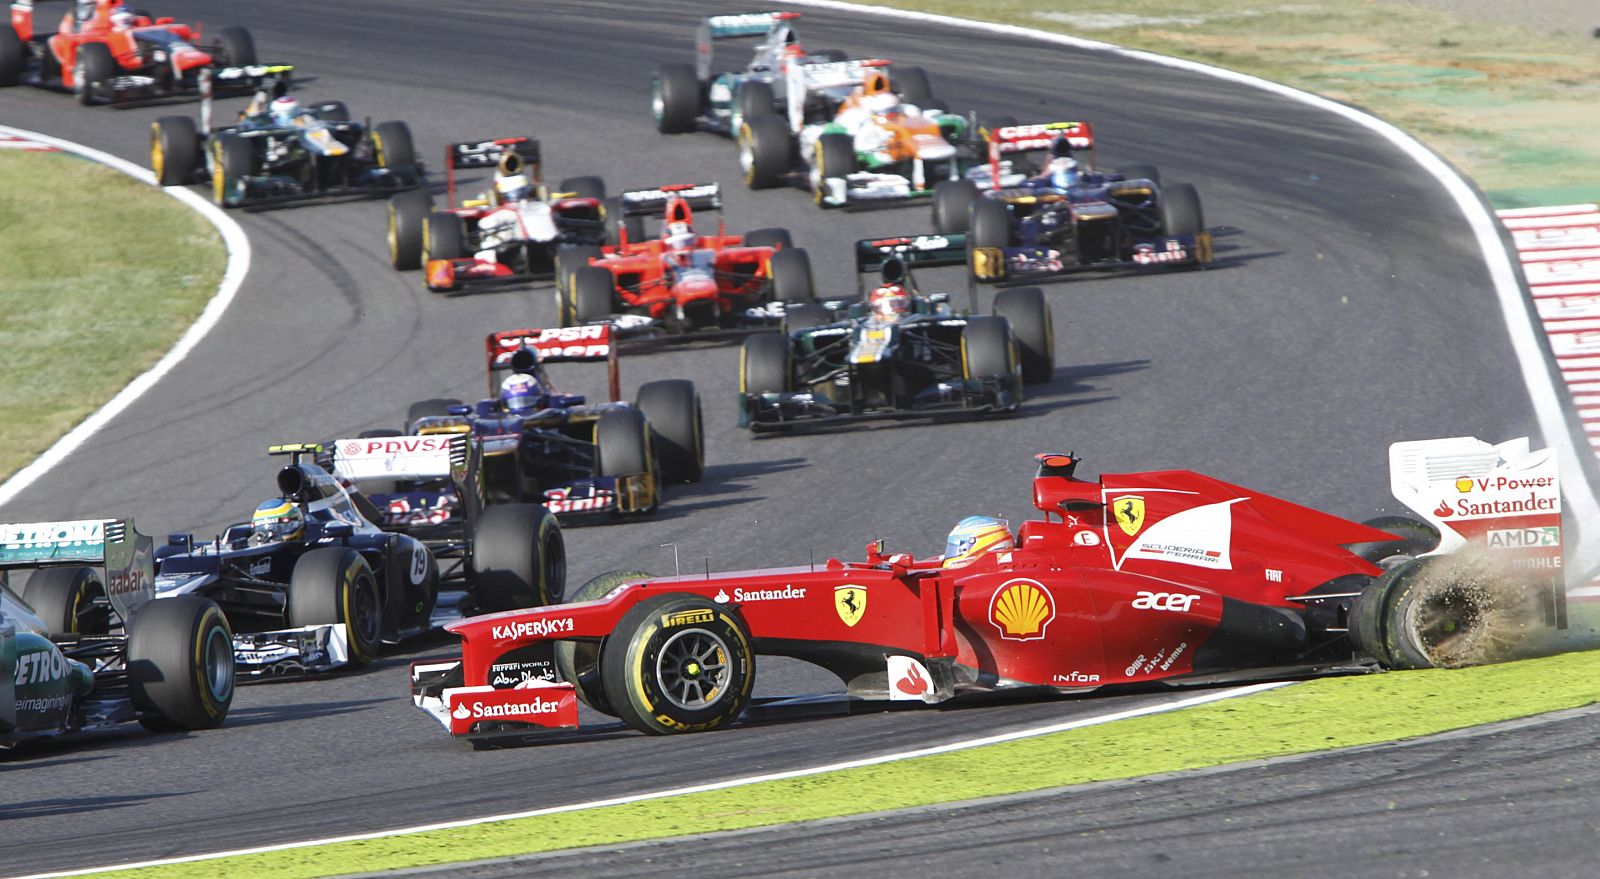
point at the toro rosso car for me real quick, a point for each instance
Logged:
(577, 458)
(104, 51)
(508, 235)
(310, 583)
(284, 152)
(1161, 576)
(680, 283)
(82, 647)
(895, 352)
(859, 138)
(431, 488)
(684, 97)
(1039, 208)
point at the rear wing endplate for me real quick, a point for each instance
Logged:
(514, 350)
(113, 544)
(732, 27)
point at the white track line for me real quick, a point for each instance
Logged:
(1582, 502)
(999, 738)
(238, 245)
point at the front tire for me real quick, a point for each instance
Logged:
(988, 348)
(174, 149)
(952, 205)
(765, 149)
(13, 57)
(232, 159)
(764, 366)
(593, 294)
(1033, 328)
(238, 47)
(678, 663)
(834, 159)
(791, 276)
(519, 558)
(1180, 210)
(622, 438)
(395, 151)
(334, 584)
(92, 73)
(672, 407)
(578, 662)
(675, 98)
(181, 664)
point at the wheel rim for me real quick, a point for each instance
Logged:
(394, 239)
(693, 670)
(218, 671)
(158, 159)
(377, 147)
(747, 157)
(819, 178)
(79, 87)
(1450, 624)
(658, 106)
(365, 619)
(219, 176)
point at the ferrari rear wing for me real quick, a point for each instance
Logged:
(653, 202)
(520, 350)
(716, 28)
(114, 544)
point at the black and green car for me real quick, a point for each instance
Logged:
(83, 646)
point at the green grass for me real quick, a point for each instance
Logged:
(1512, 108)
(1330, 713)
(99, 276)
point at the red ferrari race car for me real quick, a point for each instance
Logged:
(104, 51)
(678, 281)
(508, 235)
(1156, 576)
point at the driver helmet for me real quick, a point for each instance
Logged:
(521, 393)
(889, 302)
(974, 536)
(678, 236)
(277, 520)
(85, 9)
(284, 109)
(883, 104)
(513, 187)
(793, 50)
(121, 18)
(1064, 172)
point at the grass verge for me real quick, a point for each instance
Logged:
(1330, 713)
(99, 276)
(1511, 107)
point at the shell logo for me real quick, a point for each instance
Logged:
(1463, 485)
(1022, 610)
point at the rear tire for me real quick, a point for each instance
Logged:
(1180, 210)
(1033, 328)
(395, 150)
(622, 439)
(578, 662)
(911, 84)
(588, 186)
(678, 663)
(13, 57)
(804, 317)
(791, 276)
(181, 664)
(442, 237)
(765, 150)
(952, 205)
(64, 599)
(991, 224)
(408, 214)
(754, 98)
(238, 47)
(519, 558)
(593, 294)
(672, 407)
(764, 366)
(334, 584)
(675, 98)
(1141, 172)
(174, 149)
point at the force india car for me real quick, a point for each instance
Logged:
(431, 488)
(104, 51)
(490, 240)
(678, 283)
(264, 161)
(823, 134)
(684, 97)
(325, 595)
(82, 647)
(1022, 222)
(578, 459)
(837, 360)
(1161, 576)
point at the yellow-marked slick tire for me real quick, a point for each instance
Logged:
(578, 662)
(677, 664)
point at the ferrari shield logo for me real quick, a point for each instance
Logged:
(1129, 512)
(850, 602)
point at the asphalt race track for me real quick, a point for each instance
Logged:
(1347, 310)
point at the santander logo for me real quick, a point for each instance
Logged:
(479, 711)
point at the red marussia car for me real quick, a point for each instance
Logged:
(680, 281)
(102, 50)
(1138, 577)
